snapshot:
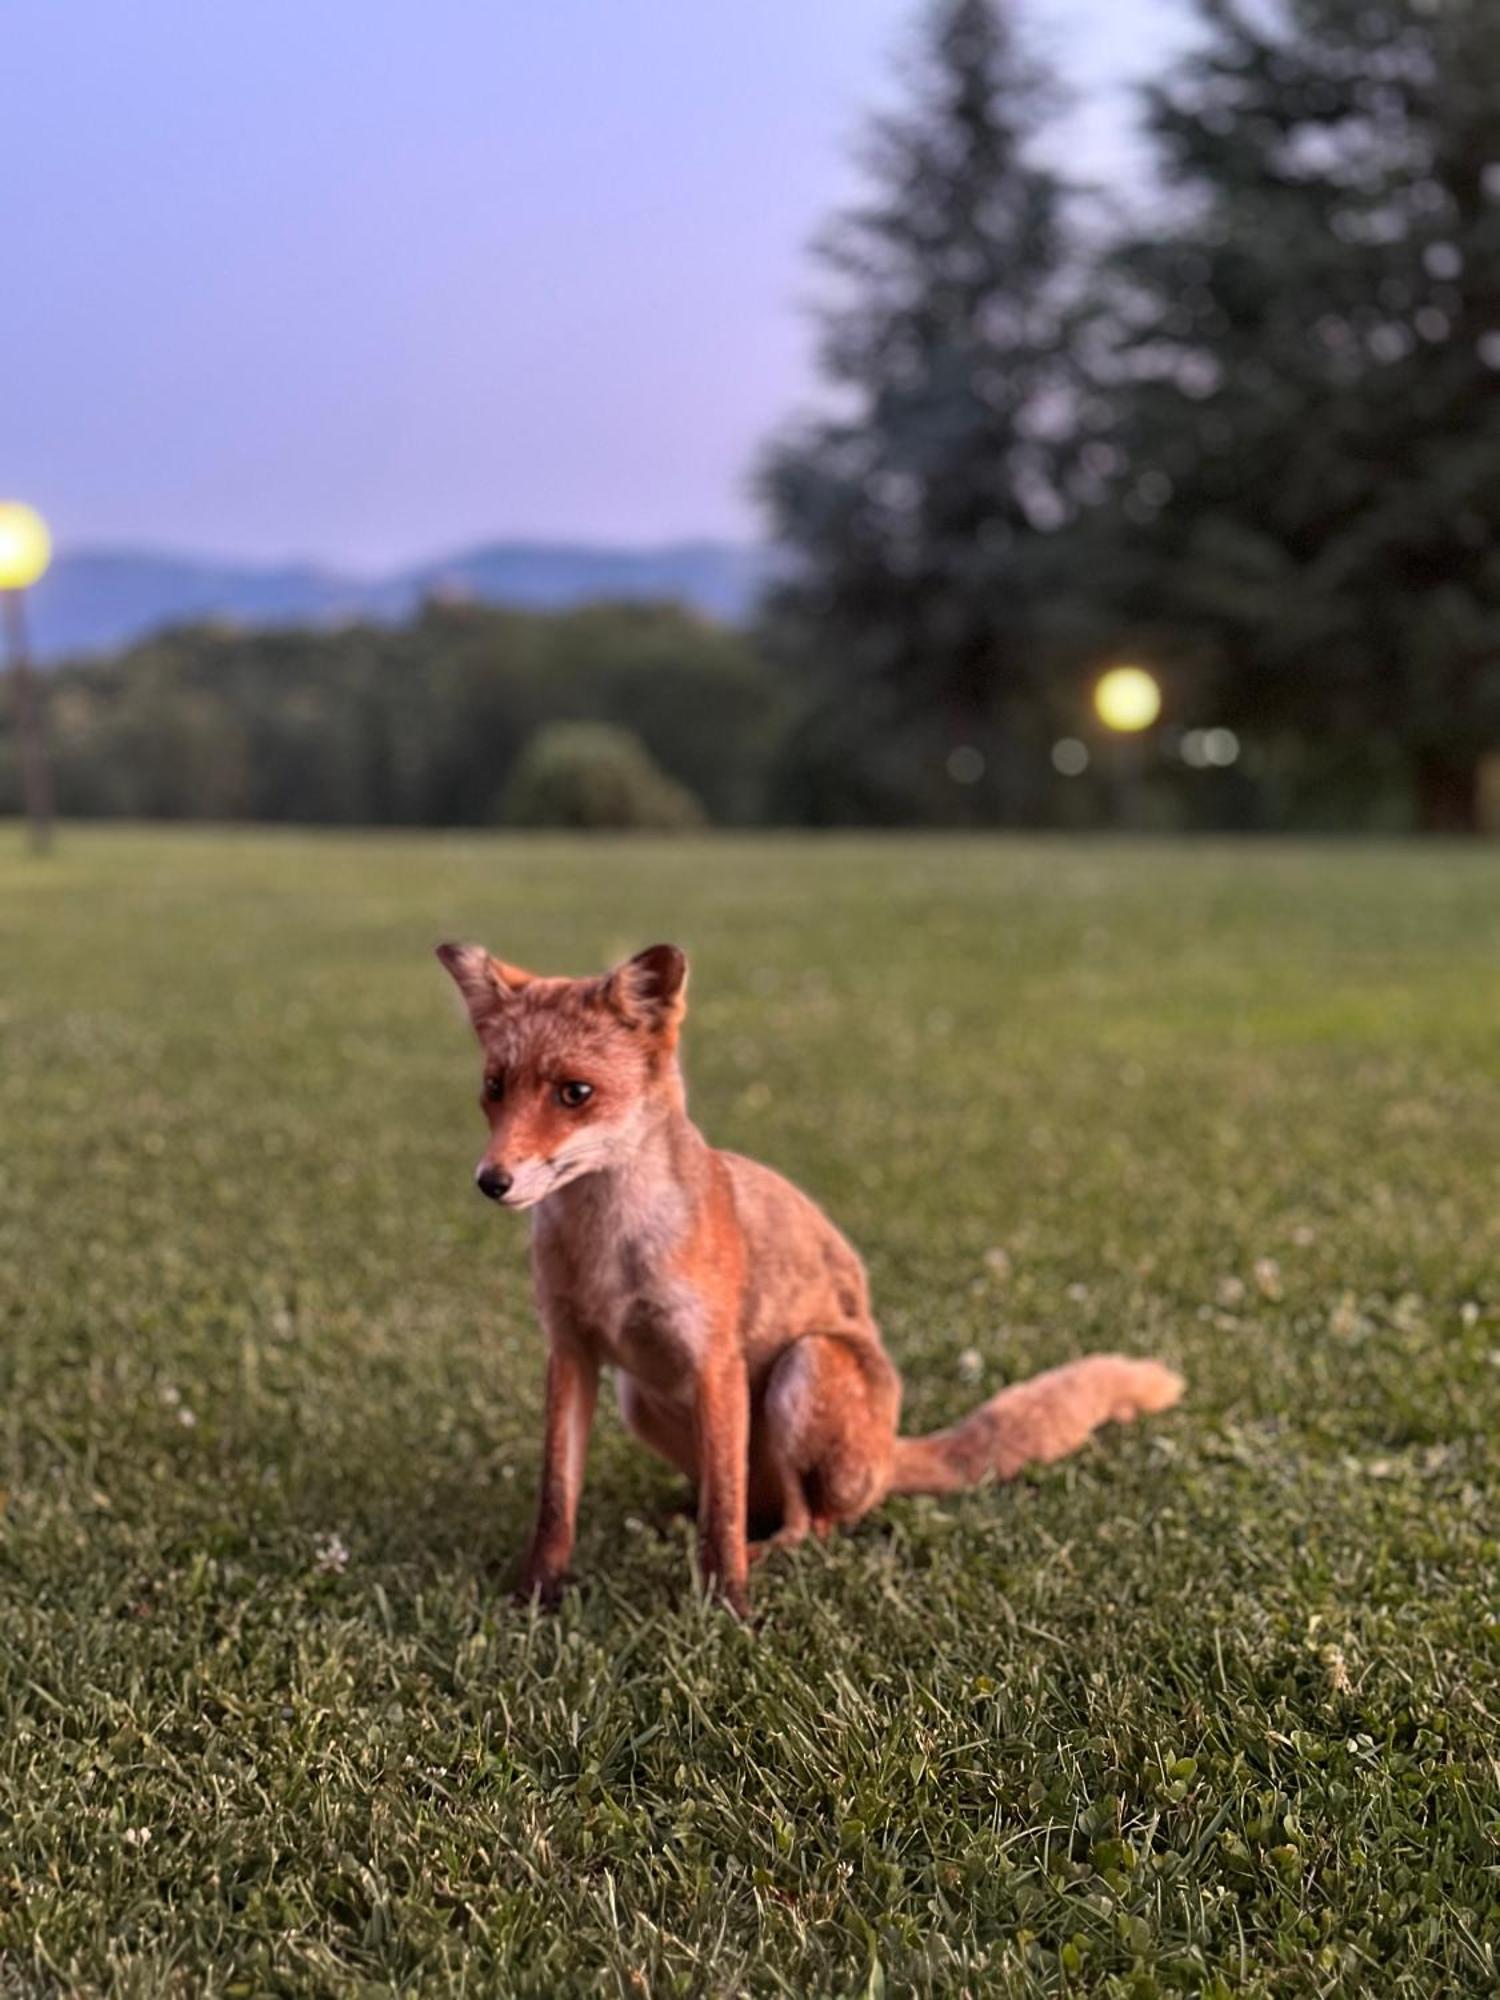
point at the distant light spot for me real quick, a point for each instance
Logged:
(1489, 349)
(1127, 698)
(1070, 756)
(1201, 748)
(966, 764)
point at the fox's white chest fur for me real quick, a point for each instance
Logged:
(604, 1256)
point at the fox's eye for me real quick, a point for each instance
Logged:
(574, 1094)
(494, 1088)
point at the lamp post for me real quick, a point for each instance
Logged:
(25, 551)
(1127, 700)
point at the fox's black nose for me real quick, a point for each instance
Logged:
(494, 1182)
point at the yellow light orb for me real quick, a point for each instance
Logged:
(1127, 698)
(25, 545)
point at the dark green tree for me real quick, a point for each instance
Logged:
(1310, 384)
(916, 519)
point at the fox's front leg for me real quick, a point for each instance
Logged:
(572, 1390)
(723, 1438)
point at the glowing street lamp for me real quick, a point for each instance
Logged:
(25, 551)
(1127, 699)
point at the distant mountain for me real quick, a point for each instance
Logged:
(718, 578)
(94, 600)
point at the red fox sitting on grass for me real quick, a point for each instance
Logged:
(735, 1314)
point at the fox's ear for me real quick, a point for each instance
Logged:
(650, 990)
(487, 984)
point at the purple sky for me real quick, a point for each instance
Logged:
(367, 280)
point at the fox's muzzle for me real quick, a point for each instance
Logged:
(493, 1182)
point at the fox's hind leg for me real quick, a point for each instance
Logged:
(828, 1426)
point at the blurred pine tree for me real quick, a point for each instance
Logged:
(1308, 376)
(920, 517)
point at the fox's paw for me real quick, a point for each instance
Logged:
(544, 1589)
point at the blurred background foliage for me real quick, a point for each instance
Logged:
(1251, 440)
(456, 719)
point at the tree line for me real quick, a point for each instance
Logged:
(469, 715)
(1247, 435)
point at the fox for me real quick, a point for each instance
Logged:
(735, 1316)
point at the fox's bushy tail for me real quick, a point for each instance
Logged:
(1033, 1423)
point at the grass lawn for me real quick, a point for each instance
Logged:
(1212, 1709)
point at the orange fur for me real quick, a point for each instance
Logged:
(735, 1315)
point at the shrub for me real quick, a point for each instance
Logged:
(594, 774)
